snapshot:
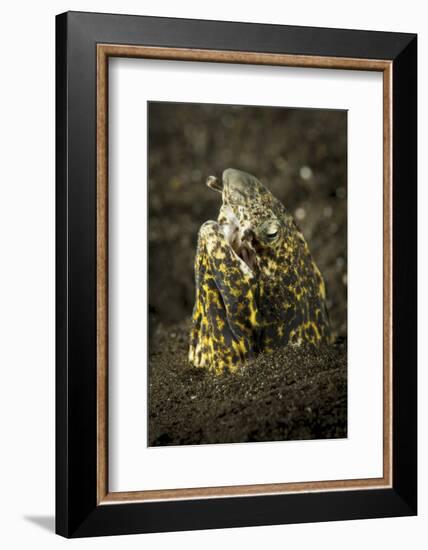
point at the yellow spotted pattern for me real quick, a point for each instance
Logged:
(238, 312)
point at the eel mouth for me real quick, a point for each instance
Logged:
(241, 242)
(239, 239)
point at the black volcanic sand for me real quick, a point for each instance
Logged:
(289, 395)
(301, 156)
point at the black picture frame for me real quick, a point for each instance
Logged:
(77, 511)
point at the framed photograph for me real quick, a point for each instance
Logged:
(236, 274)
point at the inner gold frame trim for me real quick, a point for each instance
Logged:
(104, 51)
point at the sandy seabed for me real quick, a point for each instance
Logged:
(288, 395)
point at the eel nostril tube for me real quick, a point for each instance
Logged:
(213, 183)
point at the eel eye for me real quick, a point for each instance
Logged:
(272, 236)
(271, 231)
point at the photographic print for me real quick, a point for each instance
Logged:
(233, 313)
(247, 273)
